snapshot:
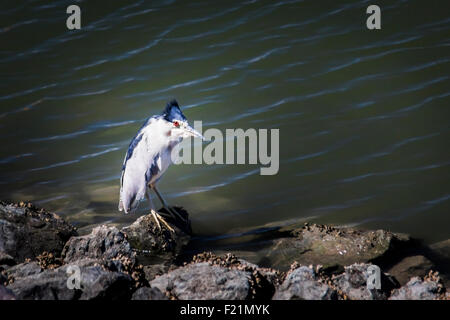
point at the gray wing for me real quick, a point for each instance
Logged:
(139, 165)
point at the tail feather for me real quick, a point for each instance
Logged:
(128, 206)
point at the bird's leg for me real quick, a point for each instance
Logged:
(156, 215)
(164, 203)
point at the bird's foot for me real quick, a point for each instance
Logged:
(158, 219)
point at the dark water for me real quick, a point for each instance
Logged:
(363, 115)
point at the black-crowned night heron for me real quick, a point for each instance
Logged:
(148, 157)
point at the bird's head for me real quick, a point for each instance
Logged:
(179, 126)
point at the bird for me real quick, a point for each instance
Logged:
(148, 157)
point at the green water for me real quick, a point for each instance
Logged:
(363, 115)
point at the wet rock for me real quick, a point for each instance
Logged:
(328, 246)
(147, 293)
(352, 284)
(102, 243)
(442, 248)
(303, 283)
(200, 281)
(96, 282)
(157, 246)
(441, 257)
(6, 294)
(413, 266)
(419, 289)
(26, 232)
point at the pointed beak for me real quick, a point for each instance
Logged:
(194, 133)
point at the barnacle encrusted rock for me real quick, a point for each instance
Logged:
(26, 231)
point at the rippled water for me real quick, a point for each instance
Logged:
(363, 115)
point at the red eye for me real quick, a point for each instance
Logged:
(176, 124)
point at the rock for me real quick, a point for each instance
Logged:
(26, 232)
(6, 294)
(412, 266)
(353, 283)
(263, 281)
(328, 246)
(96, 282)
(154, 270)
(23, 270)
(442, 248)
(418, 289)
(303, 283)
(157, 246)
(202, 281)
(441, 257)
(6, 259)
(102, 243)
(146, 293)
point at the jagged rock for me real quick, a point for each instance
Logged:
(413, 266)
(147, 293)
(201, 281)
(154, 270)
(157, 246)
(6, 294)
(418, 289)
(303, 283)
(272, 276)
(353, 283)
(26, 232)
(327, 246)
(96, 282)
(262, 280)
(23, 270)
(6, 259)
(102, 243)
(109, 262)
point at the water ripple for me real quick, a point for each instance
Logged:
(17, 25)
(394, 147)
(89, 129)
(392, 172)
(423, 102)
(426, 65)
(80, 158)
(260, 57)
(227, 181)
(14, 158)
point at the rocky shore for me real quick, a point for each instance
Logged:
(44, 257)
